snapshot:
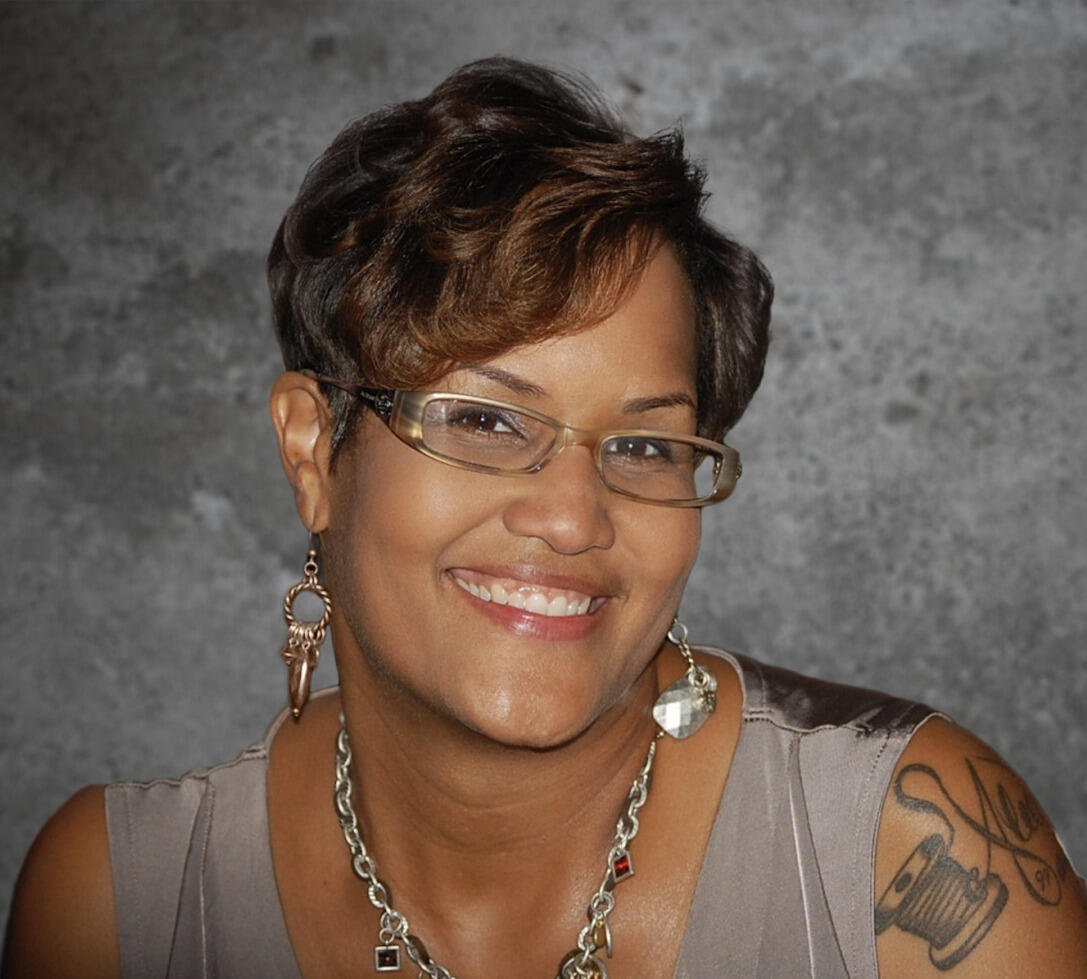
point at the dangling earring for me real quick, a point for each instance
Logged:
(688, 703)
(303, 647)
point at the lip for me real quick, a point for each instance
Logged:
(532, 574)
(522, 622)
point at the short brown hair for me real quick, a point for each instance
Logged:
(507, 206)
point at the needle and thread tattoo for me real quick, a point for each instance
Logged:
(933, 895)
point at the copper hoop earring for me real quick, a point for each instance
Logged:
(303, 647)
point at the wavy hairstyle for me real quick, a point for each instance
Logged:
(508, 206)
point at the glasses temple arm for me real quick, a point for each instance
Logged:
(379, 399)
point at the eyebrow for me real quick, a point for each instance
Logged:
(514, 383)
(635, 406)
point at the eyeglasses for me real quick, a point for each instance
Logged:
(490, 436)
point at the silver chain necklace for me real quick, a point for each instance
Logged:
(582, 962)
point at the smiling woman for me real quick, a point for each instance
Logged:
(559, 534)
(513, 347)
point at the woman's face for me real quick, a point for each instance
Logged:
(409, 536)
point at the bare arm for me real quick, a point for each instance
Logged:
(62, 918)
(971, 880)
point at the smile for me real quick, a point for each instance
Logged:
(552, 602)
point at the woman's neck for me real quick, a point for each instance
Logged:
(431, 793)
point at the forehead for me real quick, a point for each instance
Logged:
(645, 347)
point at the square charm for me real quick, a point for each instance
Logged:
(387, 958)
(622, 867)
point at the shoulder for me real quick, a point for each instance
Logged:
(803, 703)
(970, 876)
(135, 833)
(62, 918)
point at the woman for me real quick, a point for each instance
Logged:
(512, 349)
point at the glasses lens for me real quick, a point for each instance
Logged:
(490, 436)
(657, 468)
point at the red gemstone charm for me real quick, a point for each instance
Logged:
(621, 867)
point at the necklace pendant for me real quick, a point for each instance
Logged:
(387, 958)
(596, 969)
(622, 867)
(602, 937)
(581, 965)
(687, 704)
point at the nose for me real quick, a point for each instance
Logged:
(565, 504)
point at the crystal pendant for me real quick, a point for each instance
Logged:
(687, 704)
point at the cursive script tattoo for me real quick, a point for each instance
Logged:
(933, 896)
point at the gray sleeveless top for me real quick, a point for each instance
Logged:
(786, 888)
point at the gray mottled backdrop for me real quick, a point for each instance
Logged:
(913, 513)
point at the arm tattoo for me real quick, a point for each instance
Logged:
(934, 896)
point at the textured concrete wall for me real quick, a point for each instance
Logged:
(912, 515)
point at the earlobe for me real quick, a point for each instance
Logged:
(303, 424)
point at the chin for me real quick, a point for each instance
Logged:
(534, 722)
(534, 740)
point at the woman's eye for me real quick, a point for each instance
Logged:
(483, 420)
(640, 449)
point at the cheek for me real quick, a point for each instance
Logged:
(669, 549)
(394, 514)
(663, 550)
(373, 528)
(376, 526)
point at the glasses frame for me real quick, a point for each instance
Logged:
(402, 412)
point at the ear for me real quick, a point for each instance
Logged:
(303, 423)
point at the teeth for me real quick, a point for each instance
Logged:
(536, 603)
(557, 606)
(529, 598)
